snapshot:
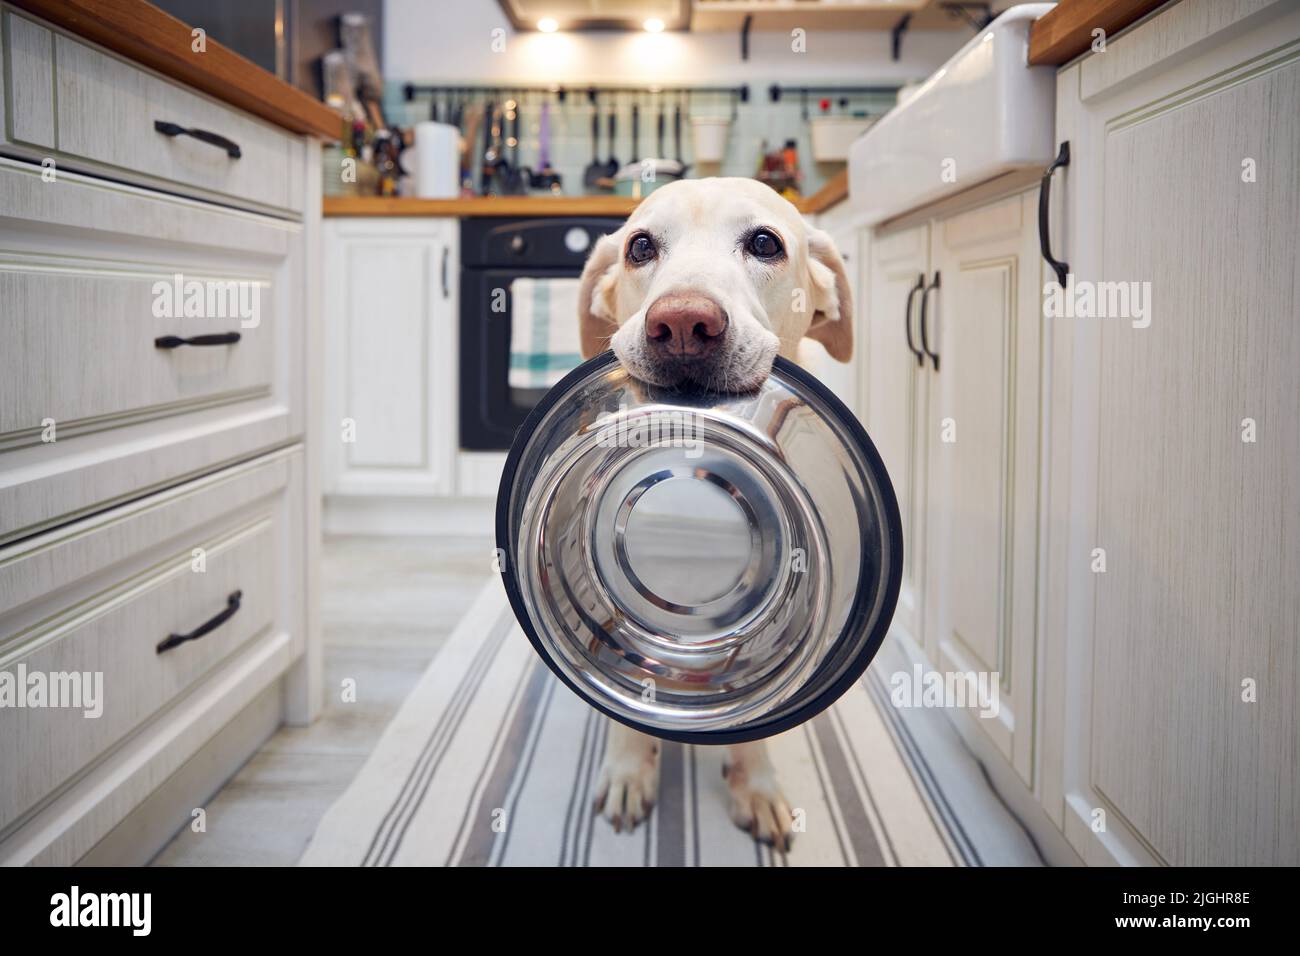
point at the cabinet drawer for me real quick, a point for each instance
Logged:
(87, 342)
(98, 598)
(72, 99)
(92, 275)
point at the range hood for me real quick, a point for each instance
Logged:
(598, 14)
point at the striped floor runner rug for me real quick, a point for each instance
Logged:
(492, 761)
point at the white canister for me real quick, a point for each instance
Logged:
(437, 161)
(833, 135)
(710, 138)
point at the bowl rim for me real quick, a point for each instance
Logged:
(862, 603)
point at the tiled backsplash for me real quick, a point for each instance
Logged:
(756, 121)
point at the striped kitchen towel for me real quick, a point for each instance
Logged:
(544, 342)
(493, 762)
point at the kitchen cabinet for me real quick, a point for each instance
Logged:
(158, 501)
(896, 397)
(981, 439)
(953, 405)
(1108, 522)
(391, 307)
(1170, 581)
(85, 108)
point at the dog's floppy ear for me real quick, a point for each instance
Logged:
(832, 323)
(596, 322)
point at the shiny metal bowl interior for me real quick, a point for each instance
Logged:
(704, 567)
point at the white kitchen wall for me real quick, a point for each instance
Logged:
(452, 41)
(426, 42)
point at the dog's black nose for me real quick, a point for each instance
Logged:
(684, 325)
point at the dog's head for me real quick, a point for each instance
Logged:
(708, 281)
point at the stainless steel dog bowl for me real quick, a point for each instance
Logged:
(705, 568)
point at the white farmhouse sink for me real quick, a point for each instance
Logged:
(983, 113)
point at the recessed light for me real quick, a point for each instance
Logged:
(654, 25)
(547, 25)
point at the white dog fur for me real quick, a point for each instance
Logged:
(702, 234)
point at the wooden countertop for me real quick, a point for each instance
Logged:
(1065, 31)
(145, 34)
(833, 192)
(478, 206)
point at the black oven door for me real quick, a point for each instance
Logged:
(495, 253)
(491, 408)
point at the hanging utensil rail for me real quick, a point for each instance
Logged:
(776, 91)
(593, 93)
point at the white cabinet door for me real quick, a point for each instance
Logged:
(390, 344)
(1178, 674)
(895, 397)
(983, 324)
(95, 278)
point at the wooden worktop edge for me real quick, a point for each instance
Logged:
(835, 190)
(1065, 31)
(145, 34)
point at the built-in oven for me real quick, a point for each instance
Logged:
(496, 254)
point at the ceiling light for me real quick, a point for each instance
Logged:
(654, 25)
(547, 25)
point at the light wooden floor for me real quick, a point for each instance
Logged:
(387, 606)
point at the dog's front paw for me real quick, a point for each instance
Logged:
(757, 803)
(629, 780)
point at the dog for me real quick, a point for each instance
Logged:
(707, 282)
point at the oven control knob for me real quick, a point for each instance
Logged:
(517, 244)
(577, 240)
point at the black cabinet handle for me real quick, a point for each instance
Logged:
(175, 129)
(925, 345)
(446, 292)
(232, 605)
(907, 318)
(1062, 269)
(175, 341)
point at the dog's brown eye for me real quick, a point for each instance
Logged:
(642, 249)
(764, 245)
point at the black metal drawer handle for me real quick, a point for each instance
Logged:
(175, 341)
(232, 605)
(446, 290)
(925, 296)
(907, 318)
(1062, 269)
(175, 129)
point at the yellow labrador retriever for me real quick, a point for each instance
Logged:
(705, 284)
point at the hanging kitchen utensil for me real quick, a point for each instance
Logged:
(545, 177)
(595, 169)
(611, 164)
(491, 147)
(469, 146)
(516, 175)
(651, 173)
(677, 137)
(704, 568)
(659, 129)
(636, 132)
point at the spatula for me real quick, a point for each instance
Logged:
(596, 169)
(611, 164)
